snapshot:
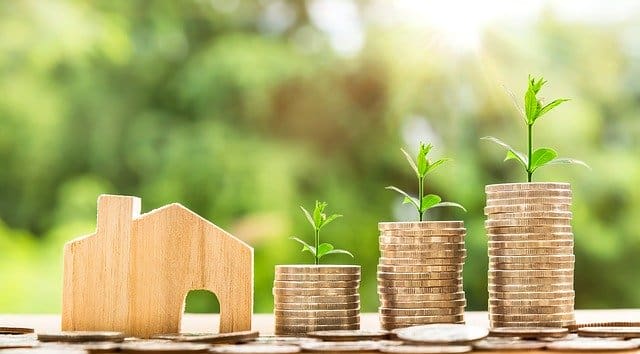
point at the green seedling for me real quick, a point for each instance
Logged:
(533, 110)
(318, 220)
(422, 167)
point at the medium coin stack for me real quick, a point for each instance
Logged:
(315, 298)
(531, 259)
(420, 273)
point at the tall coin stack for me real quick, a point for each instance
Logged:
(531, 259)
(420, 273)
(316, 297)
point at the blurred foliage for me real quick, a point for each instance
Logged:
(243, 119)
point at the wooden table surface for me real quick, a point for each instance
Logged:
(265, 323)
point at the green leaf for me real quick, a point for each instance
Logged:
(339, 251)
(423, 163)
(541, 157)
(435, 165)
(410, 159)
(428, 201)
(318, 213)
(531, 105)
(407, 197)
(449, 204)
(330, 219)
(512, 156)
(323, 249)
(568, 161)
(551, 106)
(305, 246)
(511, 152)
(308, 215)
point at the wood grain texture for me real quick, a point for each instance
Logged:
(133, 274)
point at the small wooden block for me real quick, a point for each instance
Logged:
(133, 274)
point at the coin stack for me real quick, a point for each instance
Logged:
(420, 273)
(531, 257)
(316, 297)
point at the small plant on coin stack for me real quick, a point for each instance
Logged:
(316, 297)
(420, 266)
(531, 259)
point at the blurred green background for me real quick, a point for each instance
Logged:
(243, 110)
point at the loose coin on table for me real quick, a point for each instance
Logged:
(15, 330)
(346, 346)
(442, 333)
(505, 344)
(164, 347)
(280, 340)
(528, 332)
(210, 338)
(426, 349)
(347, 335)
(81, 336)
(614, 332)
(591, 345)
(256, 349)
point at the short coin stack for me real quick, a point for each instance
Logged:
(531, 259)
(316, 297)
(420, 273)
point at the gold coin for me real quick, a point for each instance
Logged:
(533, 215)
(532, 259)
(433, 246)
(558, 251)
(421, 262)
(531, 273)
(347, 335)
(432, 290)
(315, 313)
(420, 276)
(515, 230)
(423, 304)
(419, 283)
(420, 225)
(316, 299)
(530, 201)
(318, 306)
(549, 236)
(535, 317)
(530, 244)
(315, 291)
(420, 240)
(386, 297)
(398, 326)
(431, 234)
(530, 303)
(294, 284)
(527, 222)
(209, 338)
(533, 310)
(610, 332)
(318, 269)
(532, 295)
(317, 277)
(303, 329)
(426, 349)
(161, 347)
(417, 320)
(524, 324)
(440, 311)
(419, 268)
(530, 288)
(323, 321)
(547, 193)
(532, 266)
(529, 280)
(425, 254)
(529, 186)
(525, 208)
(81, 336)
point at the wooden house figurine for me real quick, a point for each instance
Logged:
(133, 274)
